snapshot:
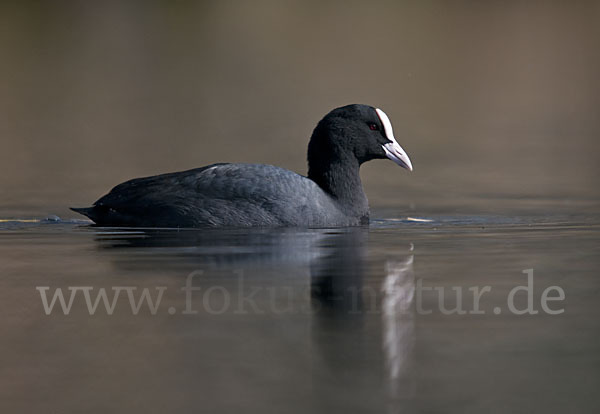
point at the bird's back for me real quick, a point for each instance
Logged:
(220, 195)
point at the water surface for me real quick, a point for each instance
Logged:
(301, 320)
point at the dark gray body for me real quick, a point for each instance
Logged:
(243, 195)
(222, 195)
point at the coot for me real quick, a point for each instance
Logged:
(241, 195)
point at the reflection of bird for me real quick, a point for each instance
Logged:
(398, 324)
(263, 195)
(217, 248)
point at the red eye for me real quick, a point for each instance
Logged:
(373, 127)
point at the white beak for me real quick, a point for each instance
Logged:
(393, 150)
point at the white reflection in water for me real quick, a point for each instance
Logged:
(399, 326)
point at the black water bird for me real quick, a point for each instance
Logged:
(242, 195)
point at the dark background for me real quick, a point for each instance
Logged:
(494, 101)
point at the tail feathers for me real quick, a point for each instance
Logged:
(86, 211)
(105, 216)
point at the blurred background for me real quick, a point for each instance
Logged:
(495, 102)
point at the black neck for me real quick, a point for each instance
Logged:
(338, 174)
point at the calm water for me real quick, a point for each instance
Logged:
(304, 320)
